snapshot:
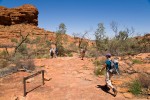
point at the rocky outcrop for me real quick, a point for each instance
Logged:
(23, 14)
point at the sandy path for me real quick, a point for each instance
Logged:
(71, 79)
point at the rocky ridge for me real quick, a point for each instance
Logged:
(23, 14)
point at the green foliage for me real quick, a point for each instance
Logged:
(23, 49)
(84, 44)
(97, 71)
(98, 67)
(123, 35)
(3, 63)
(20, 54)
(72, 47)
(48, 43)
(61, 50)
(16, 59)
(123, 47)
(97, 63)
(29, 64)
(143, 43)
(70, 54)
(42, 56)
(36, 40)
(27, 40)
(100, 37)
(60, 39)
(136, 61)
(92, 52)
(135, 87)
(3, 54)
(62, 28)
(14, 40)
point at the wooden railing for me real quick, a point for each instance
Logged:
(33, 75)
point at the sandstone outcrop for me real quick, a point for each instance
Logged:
(23, 14)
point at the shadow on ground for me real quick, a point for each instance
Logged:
(105, 89)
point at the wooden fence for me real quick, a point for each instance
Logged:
(33, 75)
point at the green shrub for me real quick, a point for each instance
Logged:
(97, 63)
(144, 79)
(23, 48)
(61, 50)
(97, 71)
(48, 43)
(70, 54)
(27, 40)
(98, 66)
(136, 61)
(45, 56)
(14, 40)
(36, 40)
(135, 87)
(16, 59)
(72, 47)
(3, 54)
(3, 63)
(29, 65)
(92, 53)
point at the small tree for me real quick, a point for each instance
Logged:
(123, 35)
(61, 38)
(100, 37)
(62, 28)
(114, 27)
(120, 43)
(82, 43)
(23, 39)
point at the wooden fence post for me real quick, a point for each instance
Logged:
(24, 86)
(43, 77)
(25, 78)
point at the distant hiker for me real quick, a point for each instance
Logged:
(82, 53)
(109, 73)
(56, 52)
(52, 52)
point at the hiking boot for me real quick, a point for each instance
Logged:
(115, 91)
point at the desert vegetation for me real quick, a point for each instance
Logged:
(140, 85)
(25, 48)
(21, 51)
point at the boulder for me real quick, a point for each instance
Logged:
(128, 95)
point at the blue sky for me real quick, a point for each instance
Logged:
(84, 15)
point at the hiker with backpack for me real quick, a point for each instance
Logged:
(111, 68)
(82, 53)
(56, 51)
(52, 52)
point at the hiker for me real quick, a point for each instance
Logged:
(108, 73)
(52, 52)
(56, 52)
(82, 53)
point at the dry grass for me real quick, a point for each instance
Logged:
(144, 79)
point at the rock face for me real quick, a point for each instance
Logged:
(23, 14)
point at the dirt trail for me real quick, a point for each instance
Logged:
(71, 79)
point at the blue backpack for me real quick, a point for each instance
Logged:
(114, 67)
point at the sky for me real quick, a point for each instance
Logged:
(80, 16)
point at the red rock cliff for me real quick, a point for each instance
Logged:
(23, 14)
